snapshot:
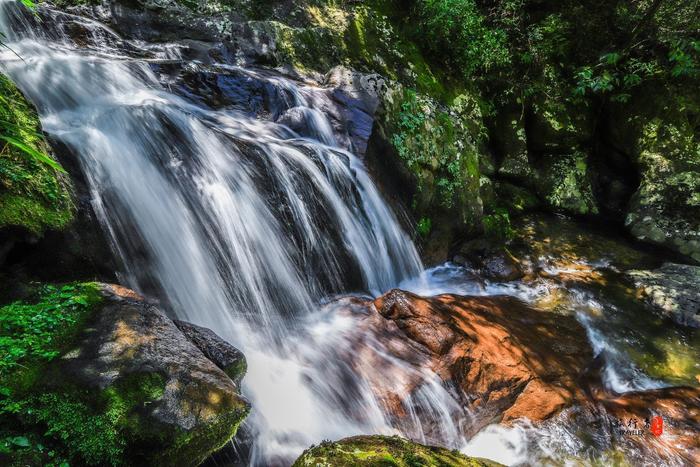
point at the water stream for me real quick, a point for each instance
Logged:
(244, 226)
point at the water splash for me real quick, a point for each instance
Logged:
(242, 225)
(245, 226)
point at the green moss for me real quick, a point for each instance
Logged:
(237, 370)
(32, 334)
(113, 425)
(566, 185)
(191, 445)
(33, 194)
(380, 451)
(425, 225)
(37, 332)
(440, 147)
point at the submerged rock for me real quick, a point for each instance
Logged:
(384, 451)
(672, 441)
(509, 359)
(492, 261)
(162, 399)
(673, 290)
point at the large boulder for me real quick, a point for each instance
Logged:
(376, 451)
(509, 359)
(197, 407)
(432, 152)
(124, 386)
(672, 289)
(658, 132)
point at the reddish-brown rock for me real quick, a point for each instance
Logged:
(510, 360)
(650, 427)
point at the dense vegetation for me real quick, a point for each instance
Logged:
(34, 191)
(47, 425)
(494, 108)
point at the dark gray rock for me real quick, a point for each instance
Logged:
(221, 353)
(501, 266)
(673, 290)
(181, 405)
(490, 259)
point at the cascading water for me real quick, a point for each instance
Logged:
(251, 227)
(241, 225)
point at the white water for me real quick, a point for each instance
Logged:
(243, 226)
(247, 227)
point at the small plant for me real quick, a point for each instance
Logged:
(424, 227)
(497, 225)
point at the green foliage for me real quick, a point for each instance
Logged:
(425, 225)
(497, 225)
(34, 192)
(92, 437)
(36, 332)
(32, 334)
(457, 30)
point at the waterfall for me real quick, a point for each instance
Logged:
(236, 223)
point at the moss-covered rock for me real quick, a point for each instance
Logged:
(564, 183)
(117, 384)
(384, 451)
(558, 124)
(438, 149)
(35, 194)
(666, 207)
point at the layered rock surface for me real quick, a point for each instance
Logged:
(509, 359)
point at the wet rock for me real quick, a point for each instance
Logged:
(379, 451)
(491, 261)
(629, 419)
(510, 360)
(502, 267)
(220, 352)
(673, 290)
(358, 96)
(179, 405)
(170, 20)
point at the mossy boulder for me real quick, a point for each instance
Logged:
(666, 207)
(122, 386)
(437, 149)
(564, 183)
(35, 193)
(384, 451)
(653, 141)
(672, 290)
